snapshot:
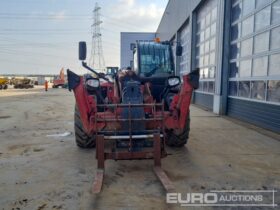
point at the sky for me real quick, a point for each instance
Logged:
(41, 36)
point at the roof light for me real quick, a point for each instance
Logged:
(157, 39)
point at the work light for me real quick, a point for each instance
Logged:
(173, 81)
(93, 83)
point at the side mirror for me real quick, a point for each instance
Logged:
(179, 50)
(82, 51)
(132, 46)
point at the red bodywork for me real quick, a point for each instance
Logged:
(94, 121)
(61, 80)
(58, 82)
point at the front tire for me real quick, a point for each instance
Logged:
(174, 139)
(82, 139)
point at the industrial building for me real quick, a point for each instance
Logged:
(236, 45)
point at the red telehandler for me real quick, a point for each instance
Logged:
(136, 114)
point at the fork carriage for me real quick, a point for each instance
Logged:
(151, 140)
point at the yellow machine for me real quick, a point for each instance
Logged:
(4, 83)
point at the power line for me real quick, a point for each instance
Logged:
(25, 53)
(44, 33)
(117, 21)
(45, 30)
(114, 21)
(10, 61)
(32, 43)
(43, 15)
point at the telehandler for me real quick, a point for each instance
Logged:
(136, 114)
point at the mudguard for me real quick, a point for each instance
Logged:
(180, 105)
(86, 103)
(73, 80)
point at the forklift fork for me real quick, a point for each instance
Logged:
(155, 154)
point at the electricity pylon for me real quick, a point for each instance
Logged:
(97, 58)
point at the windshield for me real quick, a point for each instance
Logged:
(155, 59)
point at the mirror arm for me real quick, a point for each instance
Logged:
(95, 72)
(88, 68)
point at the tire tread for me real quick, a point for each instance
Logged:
(82, 139)
(174, 140)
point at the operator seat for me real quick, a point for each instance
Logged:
(126, 75)
(157, 85)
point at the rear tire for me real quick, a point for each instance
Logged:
(82, 139)
(178, 140)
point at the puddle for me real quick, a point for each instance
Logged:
(5, 117)
(38, 149)
(65, 134)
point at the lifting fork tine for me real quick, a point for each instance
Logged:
(98, 179)
(167, 184)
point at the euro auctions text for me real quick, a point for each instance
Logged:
(261, 198)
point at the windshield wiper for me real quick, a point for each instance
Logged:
(152, 71)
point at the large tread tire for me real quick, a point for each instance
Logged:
(82, 139)
(178, 140)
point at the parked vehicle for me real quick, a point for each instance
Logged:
(4, 83)
(24, 83)
(136, 115)
(112, 71)
(59, 81)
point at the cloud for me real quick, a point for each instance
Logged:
(127, 16)
(145, 17)
(127, 2)
(58, 15)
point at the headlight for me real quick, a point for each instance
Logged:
(173, 81)
(93, 83)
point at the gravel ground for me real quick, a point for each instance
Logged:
(41, 167)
